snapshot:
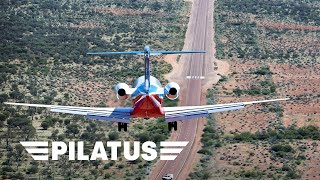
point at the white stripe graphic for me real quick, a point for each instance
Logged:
(168, 158)
(32, 148)
(37, 150)
(172, 149)
(169, 151)
(34, 143)
(174, 143)
(40, 157)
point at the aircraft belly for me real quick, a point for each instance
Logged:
(147, 106)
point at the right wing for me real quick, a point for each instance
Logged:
(191, 112)
(120, 114)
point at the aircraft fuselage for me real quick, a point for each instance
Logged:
(147, 104)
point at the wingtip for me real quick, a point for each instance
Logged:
(265, 101)
(10, 103)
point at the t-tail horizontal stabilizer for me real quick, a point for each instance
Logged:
(142, 52)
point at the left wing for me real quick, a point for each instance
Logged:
(121, 114)
(192, 112)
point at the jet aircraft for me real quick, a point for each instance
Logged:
(147, 95)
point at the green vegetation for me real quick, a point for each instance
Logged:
(249, 27)
(266, 87)
(251, 174)
(306, 132)
(282, 150)
(211, 139)
(262, 71)
(42, 60)
(256, 38)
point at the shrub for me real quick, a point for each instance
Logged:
(238, 91)
(106, 166)
(284, 148)
(245, 136)
(45, 125)
(33, 169)
(120, 166)
(113, 135)
(143, 137)
(262, 71)
(205, 151)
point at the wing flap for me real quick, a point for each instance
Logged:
(192, 112)
(187, 114)
(108, 118)
(121, 114)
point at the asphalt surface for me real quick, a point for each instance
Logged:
(195, 71)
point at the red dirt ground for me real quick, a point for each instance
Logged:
(303, 84)
(245, 156)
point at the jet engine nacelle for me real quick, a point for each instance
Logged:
(122, 90)
(172, 90)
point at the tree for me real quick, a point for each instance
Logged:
(113, 135)
(45, 125)
(72, 129)
(143, 137)
(3, 98)
(67, 121)
(237, 91)
(3, 117)
(54, 135)
(106, 166)
(18, 152)
(33, 169)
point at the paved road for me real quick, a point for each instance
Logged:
(194, 72)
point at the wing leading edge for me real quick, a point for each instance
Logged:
(191, 112)
(120, 114)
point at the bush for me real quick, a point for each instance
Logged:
(107, 176)
(120, 166)
(238, 91)
(262, 71)
(143, 137)
(113, 136)
(292, 175)
(245, 136)
(112, 163)
(251, 174)
(7, 169)
(284, 148)
(72, 129)
(205, 151)
(285, 168)
(106, 166)
(45, 125)
(33, 169)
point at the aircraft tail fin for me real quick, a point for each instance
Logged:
(146, 54)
